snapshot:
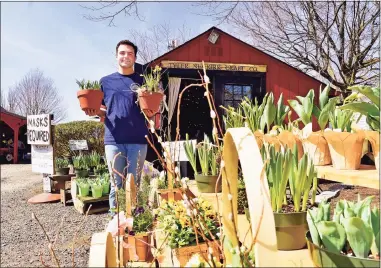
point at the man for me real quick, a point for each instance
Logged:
(125, 126)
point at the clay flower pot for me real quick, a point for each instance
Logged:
(345, 148)
(316, 146)
(90, 99)
(374, 138)
(288, 139)
(149, 102)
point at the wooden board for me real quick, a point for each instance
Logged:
(366, 176)
(81, 203)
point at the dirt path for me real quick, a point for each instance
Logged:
(22, 240)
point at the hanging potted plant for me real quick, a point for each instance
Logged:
(62, 166)
(180, 219)
(89, 95)
(150, 99)
(284, 169)
(350, 239)
(355, 103)
(209, 157)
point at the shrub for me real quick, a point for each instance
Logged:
(91, 131)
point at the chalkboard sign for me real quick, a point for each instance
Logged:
(39, 129)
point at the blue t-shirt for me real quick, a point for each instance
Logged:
(124, 122)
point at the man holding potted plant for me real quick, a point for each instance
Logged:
(125, 127)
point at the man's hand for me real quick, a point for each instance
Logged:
(141, 90)
(93, 112)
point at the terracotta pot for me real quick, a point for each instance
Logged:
(90, 99)
(184, 254)
(149, 102)
(139, 246)
(288, 139)
(316, 146)
(345, 148)
(374, 138)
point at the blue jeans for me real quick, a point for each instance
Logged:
(136, 155)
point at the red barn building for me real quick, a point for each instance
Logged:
(235, 68)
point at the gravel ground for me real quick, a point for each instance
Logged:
(22, 240)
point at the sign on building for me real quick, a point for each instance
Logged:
(39, 129)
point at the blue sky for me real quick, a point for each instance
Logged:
(55, 38)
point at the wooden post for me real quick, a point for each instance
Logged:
(239, 143)
(15, 144)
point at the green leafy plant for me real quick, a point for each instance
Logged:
(79, 162)
(281, 111)
(269, 112)
(88, 85)
(242, 197)
(253, 112)
(355, 227)
(325, 108)
(94, 159)
(371, 110)
(303, 106)
(341, 119)
(143, 221)
(61, 163)
(209, 156)
(152, 79)
(282, 169)
(234, 117)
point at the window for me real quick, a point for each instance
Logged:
(234, 94)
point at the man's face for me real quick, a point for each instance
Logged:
(126, 56)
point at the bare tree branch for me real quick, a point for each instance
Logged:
(339, 40)
(35, 94)
(128, 8)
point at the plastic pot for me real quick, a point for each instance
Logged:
(106, 188)
(290, 230)
(324, 258)
(207, 183)
(97, 191)
(84, 190)
(81, 173)
(62, 171)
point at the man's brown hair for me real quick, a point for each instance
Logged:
(127, 43)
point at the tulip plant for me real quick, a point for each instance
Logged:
(355, 227)
(283, 169)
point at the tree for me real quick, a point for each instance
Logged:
(35, 94)
(158, 39)
(337, 40)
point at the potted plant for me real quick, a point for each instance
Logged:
(140, 236)
(350, 239)
(314, 143)
(80, 166)
(89, 95)
(83, 186)
(62, 166)
(96, 187)
(284, 169)
(371, 109)
(180, 219)
(345, 147)
(150, 99)
(100, 169)
(209, 157)
(105, 181)
(93, 160)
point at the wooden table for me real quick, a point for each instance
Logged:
(61, 185)
(366, 176)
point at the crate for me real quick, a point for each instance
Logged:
(81, 204)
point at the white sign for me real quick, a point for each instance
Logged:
(39, 129)
(42, 159)
(47, 184)
(78, 145)
(180, 154)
